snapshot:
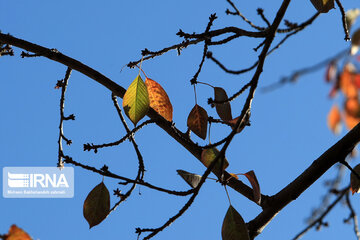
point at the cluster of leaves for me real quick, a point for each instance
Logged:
(346, 81)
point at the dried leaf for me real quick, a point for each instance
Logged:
(16, 233)
(223, 110)
(159, 100)
(197, 121)
(334, 119)
(136, 101)
(190, 178)
(351, 16)
(97, 205)
(354, 180)
(208, 155)
(323, 6)
(355, 42)
(234, 227)
(233, 124)
(255, 186)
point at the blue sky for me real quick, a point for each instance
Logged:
(288, 127)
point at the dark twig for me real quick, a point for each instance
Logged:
(107, 173)
(352, 216)
(343, 19)
(260, 12)
(343, 162)
(155, 231)
(64, 84)
(88, 146)
(319, 221)
(141, 167)
(211, 20)
(246, 86)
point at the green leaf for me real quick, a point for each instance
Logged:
(190, 178)
(97, 205)
(223, 110)
(136, 101)
(208, 155)
(234, 227)
(323, 6)
(197, 121)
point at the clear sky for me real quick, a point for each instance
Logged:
(288, 126)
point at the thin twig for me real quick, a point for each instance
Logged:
(319, 220)
(353, 216)
(343, 19)
(64, 84)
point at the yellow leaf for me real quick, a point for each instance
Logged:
(136, 101)
(208, 155)
(159, 100)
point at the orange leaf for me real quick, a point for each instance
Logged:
(16, 233)
(334, 119)
(234, 175)
(197, 121)
(352, 107)
(347, 82)
(223, 110)
(159, 100)
(350, 121)
(255, 185)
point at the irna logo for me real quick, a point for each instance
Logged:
(38, 182)
(17, 180)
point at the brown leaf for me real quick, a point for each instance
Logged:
(355, 42)
(159, 100)
(234, 227)
(323, 6)
(16, 233)
(208, 155)
(255, 185)
(334, 119)
(354, 180)
(197, 121)
(97, 205)
(190, 178)
(223, 110)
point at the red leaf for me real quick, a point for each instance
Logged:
(255, 185)
(159, 100)
(197, 121)
(347, 82)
